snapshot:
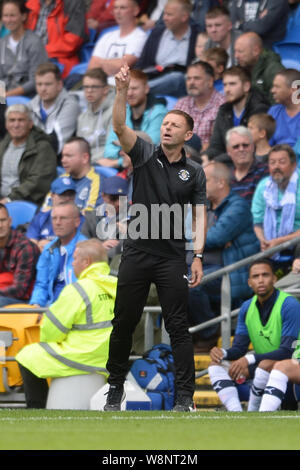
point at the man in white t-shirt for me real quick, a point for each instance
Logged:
(120, 45)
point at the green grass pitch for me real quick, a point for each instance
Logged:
(90, 430)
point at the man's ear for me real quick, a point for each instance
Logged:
(188, 135)
(247, 87)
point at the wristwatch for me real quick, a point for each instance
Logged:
(198, 255)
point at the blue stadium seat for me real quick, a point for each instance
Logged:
(107, 30)
(21, 212)
(293, 20)
(87, 48)
(79, 68)
(18, 99)
(105, 171)
(288, 52)
(171, 101)
(290, 63)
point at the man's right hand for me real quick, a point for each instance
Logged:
(122, 78)
(216, 355)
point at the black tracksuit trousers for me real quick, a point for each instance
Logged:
(137, 270)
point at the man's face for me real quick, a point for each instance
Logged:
(64, 221)
(5, 224)
(255, 131)
(261, 279)
(174, 130)
(244, 53)
(198, 83)
(200, 45)
(125, 11)
(212, 186)
(94, 90)
(281, 91)
(240, 149)
(137, 92)
(73, 159)
(218, 28)
(174, 16)
(112, 204)
(18, 126)
(48, 87)
(280, 167)
(234, 89)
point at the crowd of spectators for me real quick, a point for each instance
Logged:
(213, 59)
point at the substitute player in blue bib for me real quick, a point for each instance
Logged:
(271, 322)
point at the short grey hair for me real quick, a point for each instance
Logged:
(18, 108)
(240, 130)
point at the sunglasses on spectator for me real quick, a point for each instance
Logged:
(244, 146)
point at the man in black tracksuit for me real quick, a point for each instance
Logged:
(154, 251)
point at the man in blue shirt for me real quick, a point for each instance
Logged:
(40, 230)
(271, 322)
(286, 111)
(276, 201)
(54, 267)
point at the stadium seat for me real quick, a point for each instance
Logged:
(171, 101)
(21, 212)
(107, 30)
(293, 20)
(16, 330)
(87, 48)
(289, 53)
(73, 392)
(291, 64)
(19, 99)
(105, 171)
(79, 68)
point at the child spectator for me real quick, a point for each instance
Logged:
(200, 45)
(262, 126)
(217, 57)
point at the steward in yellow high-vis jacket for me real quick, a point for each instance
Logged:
(75, 330)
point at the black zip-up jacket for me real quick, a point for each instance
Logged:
(256, 103)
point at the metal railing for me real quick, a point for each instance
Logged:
(226, 314)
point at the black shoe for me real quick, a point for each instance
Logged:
(184, 403)
(115, 396)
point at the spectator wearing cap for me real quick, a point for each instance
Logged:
(108, 222)
(40, 230)
(203, 101)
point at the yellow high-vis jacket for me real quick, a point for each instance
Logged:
(75, 330)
